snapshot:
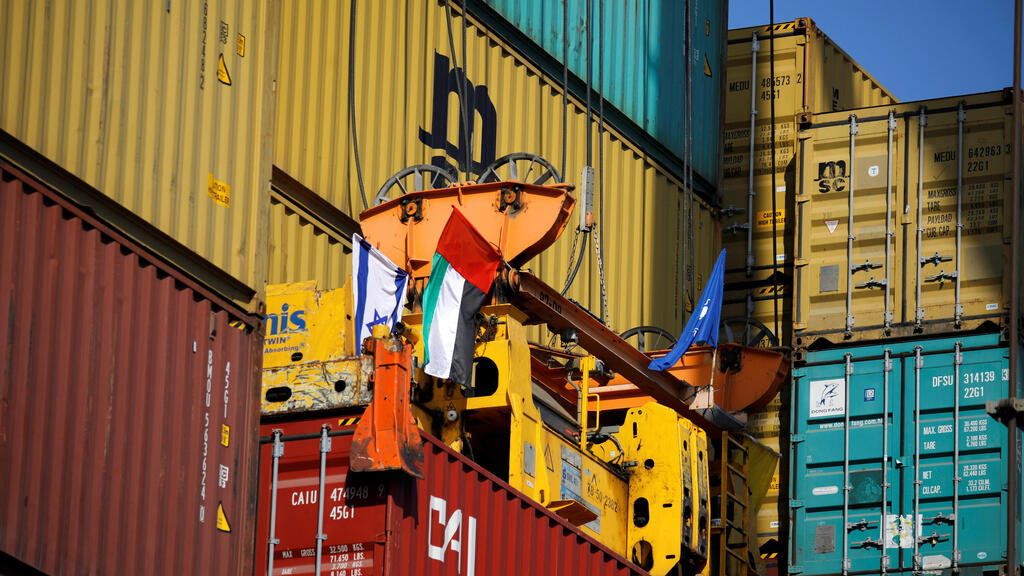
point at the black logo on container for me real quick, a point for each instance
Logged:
(832, 176)
(477, 107)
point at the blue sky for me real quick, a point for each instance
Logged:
(917, 49)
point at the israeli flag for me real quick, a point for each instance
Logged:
(703, 324)
(378, 288)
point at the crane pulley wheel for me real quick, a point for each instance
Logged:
(533, 164)
(749, 332)
(439, 178)
(663, 339)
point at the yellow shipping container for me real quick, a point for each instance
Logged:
(812, 76)
(902, 220)
(767, 427)
(164, 107)
(385, 82)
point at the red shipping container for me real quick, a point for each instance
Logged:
(459, 520)
(128, 401)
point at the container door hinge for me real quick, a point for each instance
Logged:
(1005, 409)
(796, 569)
(796, 438)
(794, 504)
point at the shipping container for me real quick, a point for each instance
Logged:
(637, 62)
(812, 76)
(457, 519)
(902, 221)
(903, 424)
(766, 426)
(166, 108)
(402, 102)
(129, 412)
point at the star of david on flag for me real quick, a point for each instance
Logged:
(378, 288)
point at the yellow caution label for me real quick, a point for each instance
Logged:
(225, 435)
(764, 218)
(222, 519)
(347, 421)
(219, 191)
(222, 71)
(240, 46)
(775, 483)
(707, 67)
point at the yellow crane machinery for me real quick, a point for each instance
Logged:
(612, 447)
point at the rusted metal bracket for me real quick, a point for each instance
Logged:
(544, 304)
(386, 437)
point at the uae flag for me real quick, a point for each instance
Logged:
(461, 275)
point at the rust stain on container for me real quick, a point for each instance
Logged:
(128, 402)
(459, 520)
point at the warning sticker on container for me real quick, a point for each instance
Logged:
(832, 225)
(222, 519)
(222, 72)
(764, 218)
(219, 191)
(827, 398)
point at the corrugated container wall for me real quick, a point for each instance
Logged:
(409, 113)
(938, 464)
(128, 402)
(164, 107)
(458, 520)
(638, 62)
(929, 221)
(812, 76)
(301, 247)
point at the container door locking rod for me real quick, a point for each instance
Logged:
(272, 541)
(886, 370)
(918, 365)
(922, 121)
(887, 319)
(958, 359)
(958, 308)
(754, 47)
(848, 373)
(325, 447)
(850, 236)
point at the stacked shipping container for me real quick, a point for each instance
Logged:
(812, 76)
(167, 110)
(457, 519)
(636, 55)
(129, 401)
(134, 199)
(902, 248)
(902, 221)
(411, 113)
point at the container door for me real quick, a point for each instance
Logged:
(970, 519)
(353, 512)
(956, 251)
(830, 453)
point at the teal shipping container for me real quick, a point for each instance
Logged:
(902, 424)
(638, 65)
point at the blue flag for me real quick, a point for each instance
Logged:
(703, 323)
(378, 288)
